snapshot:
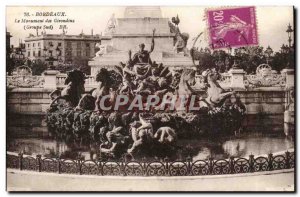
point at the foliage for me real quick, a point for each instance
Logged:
(38, 67)
(283, 60)
(248, 58)
(12, 64)
(81, 63)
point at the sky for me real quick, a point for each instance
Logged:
(271, 21)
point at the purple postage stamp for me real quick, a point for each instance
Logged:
(232, 27)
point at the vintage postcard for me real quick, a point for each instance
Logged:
(150, 98)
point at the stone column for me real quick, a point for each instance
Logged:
(50, 79)
(289, 74)
(237, 78)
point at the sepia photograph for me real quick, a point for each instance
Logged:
(150, 98)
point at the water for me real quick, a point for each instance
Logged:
(28, 134)
(242, 146)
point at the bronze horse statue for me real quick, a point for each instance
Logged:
(107, 86)
(109, 82)
(216, 95)
(75, 88)
(187, 80)
(183, 88)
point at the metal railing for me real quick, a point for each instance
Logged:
(152, 168)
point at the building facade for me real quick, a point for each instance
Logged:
(18, 52)
(60, 49)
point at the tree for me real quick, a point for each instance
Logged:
(222, 60)
(10, 65)
(13, 63)
(205, 62)
(250, 57)
(38, 67)
(81, 63)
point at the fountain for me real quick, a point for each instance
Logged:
(142, 107)
(143, 103)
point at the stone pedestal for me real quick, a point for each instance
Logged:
(50, 79)
(290, 78)
(237, 78)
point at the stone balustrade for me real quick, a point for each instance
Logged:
(90, 81)
(224, 81)
(60, 80)
(264, 78)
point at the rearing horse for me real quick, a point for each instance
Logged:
(187, 80)
(75, 88)
(109, 81)
(184, 88)
(216, 95)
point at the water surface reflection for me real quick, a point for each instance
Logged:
(243, 146)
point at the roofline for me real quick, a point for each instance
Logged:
(64, 37)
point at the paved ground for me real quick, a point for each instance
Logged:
(34, 181)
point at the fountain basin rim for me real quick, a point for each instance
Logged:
(9, 170)
(290, 150)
